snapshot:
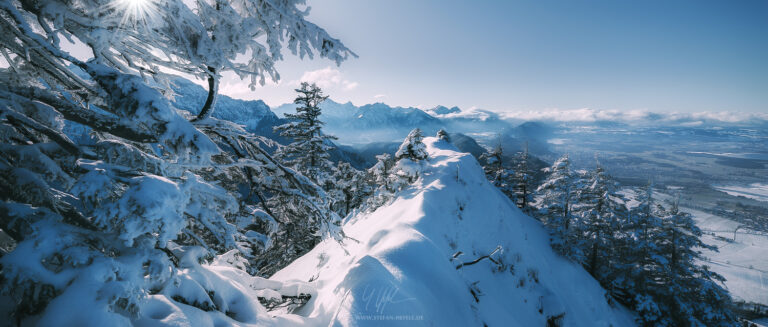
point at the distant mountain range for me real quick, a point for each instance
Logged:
(376, 128)
(379, 122)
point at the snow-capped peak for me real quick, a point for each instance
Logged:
(443, 110)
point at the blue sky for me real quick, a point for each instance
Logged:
(540, 54)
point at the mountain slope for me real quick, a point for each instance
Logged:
(467, 144)
(400, 270)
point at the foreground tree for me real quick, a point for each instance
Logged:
(153, 39)
(108, 221)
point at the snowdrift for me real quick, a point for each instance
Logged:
(451, 250)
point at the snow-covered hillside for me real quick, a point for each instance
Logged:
(450, 250)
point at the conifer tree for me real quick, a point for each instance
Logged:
(662, 272)
(309, 149)
(522, 180)
(690, 291)
(351, 185)
(408, 160)
(554, 202)
(412, 147)
(390, 176)
(603, 211)
(379, 179)
(382, 169)
(496, 173)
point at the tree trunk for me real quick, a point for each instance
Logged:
(348, 199)
(593, 257)
(210, 102)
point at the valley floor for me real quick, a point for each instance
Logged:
(743, 261)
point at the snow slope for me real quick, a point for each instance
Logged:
(400, 270)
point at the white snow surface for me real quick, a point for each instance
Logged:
(755, 191)
(743, 261)
(400, 270)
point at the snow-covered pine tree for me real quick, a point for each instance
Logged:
(352, 186)
(522, 180)
(413, 147)
(496, 173)
(690, 290)
(388, 176)
(643, 273)
(109, 220)
(408, 160)
(308, 150)
(661, 273)
(381, 170)
(602, 212)
(379, 179)
(299, 211)
(554, 203)
(308, 153)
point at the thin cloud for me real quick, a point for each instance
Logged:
(350, 86)
(629, 116)
(327, 78)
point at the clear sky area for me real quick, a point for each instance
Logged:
(530, 55)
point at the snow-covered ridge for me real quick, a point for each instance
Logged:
(403, 267)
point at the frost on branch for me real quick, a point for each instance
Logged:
(142, 200)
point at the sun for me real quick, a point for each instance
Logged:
(136, 11)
